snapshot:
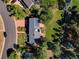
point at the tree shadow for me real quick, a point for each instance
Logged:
(9, 51)
(58, 34)
(49, 44)
(27, 26)
(53, 35)
(9, 8)
(16, 46)
(57, 30)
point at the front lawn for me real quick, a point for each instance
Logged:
(21, 38)
(52, 23)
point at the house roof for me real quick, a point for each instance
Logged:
(34, 30)
(20, 23)
(28, 3)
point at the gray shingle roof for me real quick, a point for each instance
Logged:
(29, 3)
(33, 30)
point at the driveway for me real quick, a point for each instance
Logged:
(9, 28)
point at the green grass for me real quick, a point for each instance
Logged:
(52, 23)
(76, 2)
(21, 39)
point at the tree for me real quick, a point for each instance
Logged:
(61, 4)
(42, 51)
(70, 55)
(46, 15)
(71, 33)
(42, 13)
(55, 46)
(56, 49)
(34, 10)
(12, 56)
(77, 49)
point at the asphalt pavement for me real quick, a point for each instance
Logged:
(10, 29)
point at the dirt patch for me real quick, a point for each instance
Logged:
(1, 41)
(49, 53)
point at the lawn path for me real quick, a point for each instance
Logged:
(55, 17)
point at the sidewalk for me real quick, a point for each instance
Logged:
(2, 39)
(14, 19)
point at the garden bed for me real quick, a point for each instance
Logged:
(21, 29)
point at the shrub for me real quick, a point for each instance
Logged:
(17, 11)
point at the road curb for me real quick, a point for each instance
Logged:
(14, 19)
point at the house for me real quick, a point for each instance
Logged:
(27, 55)
(34, 31)
(27, 3)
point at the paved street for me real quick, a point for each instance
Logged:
(9, 28)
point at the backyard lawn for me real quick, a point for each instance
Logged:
(56, 16)
(75, 2)
(52, 23)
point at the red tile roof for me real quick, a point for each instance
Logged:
(20, 23)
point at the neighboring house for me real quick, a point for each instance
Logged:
(34, 30)
(27, 55)
(27, 3)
